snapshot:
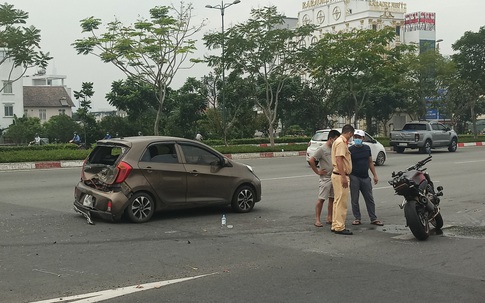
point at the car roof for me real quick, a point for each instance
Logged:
(129, 141)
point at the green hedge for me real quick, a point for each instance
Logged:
(33, 155)
(299, 139)
(57, 152)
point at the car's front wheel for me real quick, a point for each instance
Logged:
(141, 208)
(243, 199)
(453, 145)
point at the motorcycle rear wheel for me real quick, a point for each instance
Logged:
(417, 219)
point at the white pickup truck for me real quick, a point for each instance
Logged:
(424, 135)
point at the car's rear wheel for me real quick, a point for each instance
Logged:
(243, 199)
(141, 208)
(381, 158)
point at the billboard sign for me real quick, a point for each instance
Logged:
(420, 21)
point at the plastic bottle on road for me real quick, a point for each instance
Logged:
(223, 221)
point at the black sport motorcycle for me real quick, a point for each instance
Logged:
(421, 202)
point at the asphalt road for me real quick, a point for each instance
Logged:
(273, 254)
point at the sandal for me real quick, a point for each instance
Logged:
(356, 222)
(377, 222)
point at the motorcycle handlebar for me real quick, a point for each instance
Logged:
(414, 167)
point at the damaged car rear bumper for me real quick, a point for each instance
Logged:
(108, 205)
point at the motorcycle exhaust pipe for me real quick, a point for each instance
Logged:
(429, 206)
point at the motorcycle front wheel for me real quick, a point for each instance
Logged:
(417, 219)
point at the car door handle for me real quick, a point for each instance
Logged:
(194, 172)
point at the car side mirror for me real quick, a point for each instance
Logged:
(225, 162)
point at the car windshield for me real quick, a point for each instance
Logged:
(320, 136)
(106, 155)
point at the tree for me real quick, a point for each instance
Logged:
(423, 81)
(352, 63)
(19, 45)
(189, 104)
(235, 116)
(118, 126)
(132, 96)
(470, 63)
(91, 133)
(151, 50)
(265, 50)
(23, 129)
(60, 128)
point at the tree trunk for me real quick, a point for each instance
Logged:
(474, 121)
(271, 134)
(156, 125)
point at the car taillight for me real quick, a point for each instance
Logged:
(309, 143)
(124, 170)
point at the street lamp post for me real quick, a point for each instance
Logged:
(222, 8)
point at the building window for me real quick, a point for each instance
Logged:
(62, 112)
(398, 30)
(42, 114)
(7, 87)
(374, 27)
(8, 110)
(26, 112)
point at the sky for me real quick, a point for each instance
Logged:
(58, 21)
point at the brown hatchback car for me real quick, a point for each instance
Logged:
(136, 176)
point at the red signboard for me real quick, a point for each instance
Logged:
(420, 21)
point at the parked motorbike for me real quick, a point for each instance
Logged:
(421, 202)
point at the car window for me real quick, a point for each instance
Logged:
(197, 155)
(413, 126)
(160, 153)
(320, 136)
(440, 126)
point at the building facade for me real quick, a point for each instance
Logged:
(332, 16)
(46, 96)
(11, 92)
(44, 102)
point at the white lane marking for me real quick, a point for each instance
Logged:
(46, 272)
(113, 293)
(290, 177)
(466, 162)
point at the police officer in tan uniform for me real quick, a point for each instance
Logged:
(342, 167)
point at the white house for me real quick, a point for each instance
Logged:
(11, 93)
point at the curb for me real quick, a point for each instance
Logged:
(79, 163)
(471, 144)
(40, 165)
